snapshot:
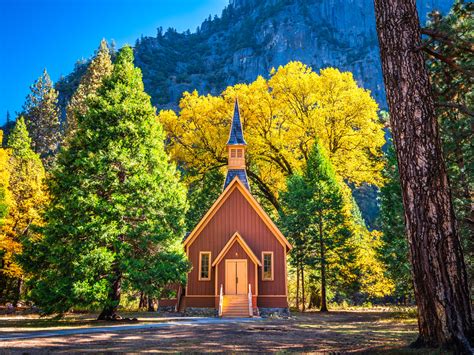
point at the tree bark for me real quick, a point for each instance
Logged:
(322, 251)
(109, 311)
(438, 268)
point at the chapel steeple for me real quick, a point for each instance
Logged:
(236, 150)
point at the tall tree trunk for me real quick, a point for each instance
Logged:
(109, 311)
(151, 304)
(322, 251)
(314, 301)
(439, 271)
(142, 302)
(303, 298)
(3, 287)
(298, 286)
(19, 285)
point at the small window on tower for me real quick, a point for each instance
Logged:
(239, 153)
(232, 153)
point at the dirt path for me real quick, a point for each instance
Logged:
(181, 322)
(333, 332)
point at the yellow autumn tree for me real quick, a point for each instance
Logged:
(7, 246)
(5, 197)
(367, 270)
(27, 198)
(282, 116)
(373, 280)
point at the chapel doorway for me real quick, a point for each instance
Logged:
(236, 277)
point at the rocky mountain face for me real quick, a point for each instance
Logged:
(253, 36)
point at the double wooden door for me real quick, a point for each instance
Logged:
(236, 277)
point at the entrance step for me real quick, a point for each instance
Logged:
(235, 306)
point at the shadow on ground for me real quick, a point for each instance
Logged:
(368, 332)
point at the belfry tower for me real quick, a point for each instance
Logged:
(236, 151)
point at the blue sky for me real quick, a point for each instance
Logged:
(54, 34)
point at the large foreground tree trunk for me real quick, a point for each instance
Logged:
(439, 271)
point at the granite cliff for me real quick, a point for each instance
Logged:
(252, 36)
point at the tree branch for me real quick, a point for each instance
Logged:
(264, 189)
(446, 39)
(456, 106)
(448, 61)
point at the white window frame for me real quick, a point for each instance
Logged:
(200, 266)
(272, 266)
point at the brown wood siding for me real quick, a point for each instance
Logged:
(236, 215)
(272, 302)
(204, 302)
(236, 252)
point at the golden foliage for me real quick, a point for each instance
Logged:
(282, 116)
(23, 173)
(374, 282)
(8, 246)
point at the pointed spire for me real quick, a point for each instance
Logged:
(236, 136)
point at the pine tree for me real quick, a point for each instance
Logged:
(42, 118)
(7, 128)
(296, 220)
(394, 250)
(27, 200)
(313, 212)
(99, 68)
(117, 211)
(450, 66)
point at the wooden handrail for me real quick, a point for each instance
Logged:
(250, 301)
(178, 298)
(221, 301)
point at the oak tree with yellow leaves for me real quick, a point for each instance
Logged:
(282, 116)
(22, 177)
